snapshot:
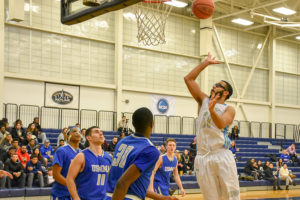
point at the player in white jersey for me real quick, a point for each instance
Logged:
(214, 164)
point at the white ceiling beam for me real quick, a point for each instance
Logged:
(249, 9)
(288, 35)
(255, 64)
(225, 60)
(255, 27)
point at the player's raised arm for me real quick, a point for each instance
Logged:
(76, 166)
(190, 79)
(157, 165)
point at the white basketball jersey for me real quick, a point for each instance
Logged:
(209, 136)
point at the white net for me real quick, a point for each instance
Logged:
(151, 21)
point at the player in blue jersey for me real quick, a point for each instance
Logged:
(166, 164)
(133, 161)
(61, 162)
(87, 176)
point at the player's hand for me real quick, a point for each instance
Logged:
(211, 60)
(182, 192)
(172, 198)
(212, 102)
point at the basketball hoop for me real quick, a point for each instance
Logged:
(151, 21)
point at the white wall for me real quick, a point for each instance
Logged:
(287, 115)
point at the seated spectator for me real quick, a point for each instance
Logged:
(23, 155)
(83, 139)
(235, 133)
(78, 125)
(162, 149)
(112, 144)
(33, 130)
(36, 122)
(47, 151)
(105, 145)
(291, 150)
(37, 152)
(233, 148)
(122, 124)
(15, 143)
(27, 139)
(6, 155)
(122, 135)
(18, 121)
(3, 133)
(61, 144)
(266, 164)
(249, 168)
(258, 175)
(14, 167)
(186, 161)
(7, 142)
(270, 177)
(193, 150)
(285, 156)
(18, 132)
(279, 164)
(260, 166)
(41, 137)
(62, 136)
(284, 175)
(3, 175)
(34, 171)
(50, 177)
(30, 146)
(180, 164)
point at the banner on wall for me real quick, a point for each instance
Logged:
(61, 96)
(162, 105)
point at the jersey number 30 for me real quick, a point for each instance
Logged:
(121, 156)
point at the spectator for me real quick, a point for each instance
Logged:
(62, 136)
(270, 177)
(3, 133)
(235, 133)
(7, 127)
(112, 144)
(33, 130)
(47, 151)
(34, 171)
(15, 143)
(61, 143)
(122, 135)
(7, 142)
(27, 139)
(41, 137)
(7, 155)
(122, 124)
(266, 164)
(291, 150)
(104, 145)
(23, 155)
(260, 166)
(186, 161)
(14, 167)
(78, 125)
(37, 152)
(18, 121)
(180, 164)
(285, 156)
(249, 168)
(3, 175)
(82, 144)
(279, 164)
(233, 149)
(256, 172)
(18, 132)
(284, 175)
(193, 148)
(50, 177)
(30, 146)
(36, 122)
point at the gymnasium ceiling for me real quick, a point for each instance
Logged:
(227, 10)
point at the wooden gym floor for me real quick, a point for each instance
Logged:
(292, 194)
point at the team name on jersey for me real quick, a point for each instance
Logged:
(100, 168)
(168, 169)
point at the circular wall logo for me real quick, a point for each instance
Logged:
(162, 106)
(62, 97)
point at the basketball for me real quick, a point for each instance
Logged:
(203, 9)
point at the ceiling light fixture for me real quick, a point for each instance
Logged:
(175, 3)
(284, 11)
(243, 22)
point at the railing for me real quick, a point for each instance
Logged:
(58, 118)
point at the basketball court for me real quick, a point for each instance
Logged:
(112, 56)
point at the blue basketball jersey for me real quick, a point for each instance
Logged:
(162, 175)
(63, 157)
(91, 182)
(138, 150)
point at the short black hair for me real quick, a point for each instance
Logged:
(229, 89)
(89, 130)
(33, 156)
(61, 140)
(115, 137)
(141, 119)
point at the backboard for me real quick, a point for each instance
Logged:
(76, 11)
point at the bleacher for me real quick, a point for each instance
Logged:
(249, 148)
